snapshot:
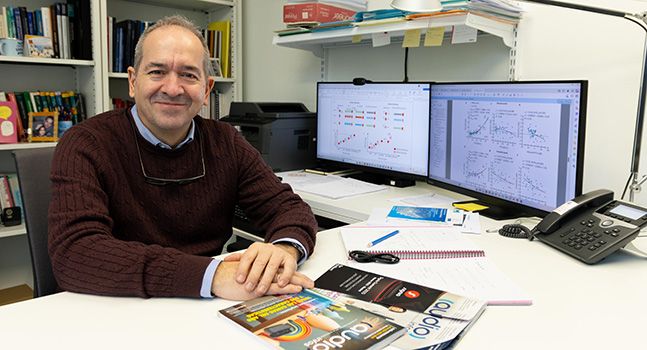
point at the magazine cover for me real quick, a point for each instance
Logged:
(424, 330)
(309, 320)
(388, 291)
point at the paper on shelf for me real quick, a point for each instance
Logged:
(463, 34)
(434, 36)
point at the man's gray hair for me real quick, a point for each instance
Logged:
(179, 21)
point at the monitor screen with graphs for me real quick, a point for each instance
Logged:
(518, 146)
(379, 127)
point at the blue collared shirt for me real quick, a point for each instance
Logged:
(210, 272)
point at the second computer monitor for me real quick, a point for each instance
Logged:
(379, 127)
(516, 145)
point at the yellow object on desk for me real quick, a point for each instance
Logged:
(469, 206)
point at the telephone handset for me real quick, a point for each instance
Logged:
(592, 226)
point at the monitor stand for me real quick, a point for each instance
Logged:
(380, 179)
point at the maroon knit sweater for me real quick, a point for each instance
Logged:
(112, 233)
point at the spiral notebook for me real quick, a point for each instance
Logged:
(411, 242)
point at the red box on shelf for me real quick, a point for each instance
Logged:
(315, 12)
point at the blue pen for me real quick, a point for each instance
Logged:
(383, 238)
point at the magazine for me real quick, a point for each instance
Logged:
(311, 320)
(388, 291)
(424, 330)
(447, 216)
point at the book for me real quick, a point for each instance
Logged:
(6, 196)
(224, 27)
(417, 242)
(9, 118)
(310, 320)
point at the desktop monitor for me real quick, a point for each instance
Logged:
(517, 146)
(379, 128)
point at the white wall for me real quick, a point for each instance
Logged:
(273, 74)
(554, 43)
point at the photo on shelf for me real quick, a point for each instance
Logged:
(38, 46)
(217, 68)
(43, 126)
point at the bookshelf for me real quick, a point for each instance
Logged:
(97, 84)
(201, 12)
(44, 74)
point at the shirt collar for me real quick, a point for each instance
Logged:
(148, 135)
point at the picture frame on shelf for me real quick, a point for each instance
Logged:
(43, 126)
(217, 68)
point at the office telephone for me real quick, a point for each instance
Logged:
(592, 226)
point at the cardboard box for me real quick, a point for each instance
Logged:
(15, 294)
(315, 12)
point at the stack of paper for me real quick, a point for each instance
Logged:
(330, 186)
(504, 9)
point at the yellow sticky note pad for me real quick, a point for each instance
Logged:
(411, 38)
(356, 39)
(469, 206)
(434, 36)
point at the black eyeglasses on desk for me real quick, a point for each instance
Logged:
(366, 257)
(158, 181)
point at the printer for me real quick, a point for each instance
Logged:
(283, 132)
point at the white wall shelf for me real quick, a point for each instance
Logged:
(8, 231)
(26, 145)
(40, 60)
(317, 41)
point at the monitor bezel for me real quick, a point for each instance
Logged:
(521, 209)
(369, 169)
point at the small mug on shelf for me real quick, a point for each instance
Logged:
(11, 47)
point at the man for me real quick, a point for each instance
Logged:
(143, 197)
(49, 126)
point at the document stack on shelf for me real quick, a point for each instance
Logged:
(502, 10)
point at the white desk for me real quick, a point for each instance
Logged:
(576, 306)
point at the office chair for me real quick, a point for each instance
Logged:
(33, 167)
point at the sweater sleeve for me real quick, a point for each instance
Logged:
(86, 256)
(272, 205)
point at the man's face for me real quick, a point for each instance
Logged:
(170, 85)
(48, 122)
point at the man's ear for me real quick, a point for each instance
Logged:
(210, 83)
(131, 81)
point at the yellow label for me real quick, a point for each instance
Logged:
(411, 38)
(356, 39)
(5, 112)
(469, 206)
(434, 36)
